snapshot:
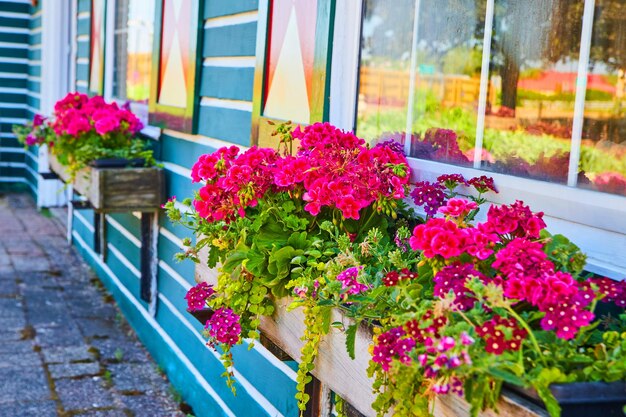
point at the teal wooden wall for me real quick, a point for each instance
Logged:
(20, 72)
(173, 336)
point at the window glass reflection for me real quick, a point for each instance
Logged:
(133, 49)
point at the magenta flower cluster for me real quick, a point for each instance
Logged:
(78, 114)
(451, 279)
(198, 295)
(224, 326)
(349, 282)
(332, 168)
(611, 291)
(390, 345)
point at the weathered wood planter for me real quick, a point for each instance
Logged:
(117, 189)
(347, 377)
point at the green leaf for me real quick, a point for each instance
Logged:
(506, 376)
(234, 259)
(256, 262)
(351, 339)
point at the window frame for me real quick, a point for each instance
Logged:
(596, 221)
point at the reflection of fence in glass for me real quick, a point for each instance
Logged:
(391, 88)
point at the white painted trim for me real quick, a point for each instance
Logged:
(20, 31)
(13, 106)
(82, 61)
(36, 14)
(177, 169)
(124, 260)
(172, 238)
(33, 109)
(34, 31)
(73, 45)
(109, 49)
(230, 61)
(8, 135)
(14, 15)
(7, 60)
(34, 62)
(34, 47)
(83, 15)
(14, 120)
(12, 164)
(4, 149)
(231, 20)
(581, 90)
(16, 75)
(484, 85)
(127, 234)
(82, 83)
(84, 221)
(412, 76)
(34, 94)
(155, 325)
(344, 72)
(34, 78)
(13, 179)
(246, 385)
(32, 156)
(82, 38)
(14, 45)
(175, 275)
(226, 103)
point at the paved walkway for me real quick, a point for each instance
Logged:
(65, 349)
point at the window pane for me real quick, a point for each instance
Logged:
(532, 85)
(603, 148)
(133, 49)
(441, 111)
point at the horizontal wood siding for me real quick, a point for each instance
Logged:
(83, 28)
(15, 56)
(227, 83)
(236, 40)
(216, 8)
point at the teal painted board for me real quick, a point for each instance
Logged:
(13, 37)
(14, 53)
(182, 152)
(14, 22)
(228, 83)
(35, 22)
(13, 112)
(19, 98)
(167, 250)
(235, 40)
(82, 90)
(14, 7)
(34, 86)
(242, 404)
(34, 70)
(216, 8)
(30, 177)
(131, 252)
(34, 54)
(35, 39)
(33, 102)
(82, 49)
(9, 142)
(14, 67)
(178, 185)
(82, 72)
(84, 6)
(129, 222)
(83, 25)
(12, 172)
(128, 279)
(11, 156)
(226, 124)
(13, 82)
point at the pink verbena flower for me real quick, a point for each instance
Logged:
(611, 291)
(198, 295)
(224, 326)
(452, 279)
(430, 195)
(348, 279)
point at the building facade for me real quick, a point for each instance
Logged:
(530, 92)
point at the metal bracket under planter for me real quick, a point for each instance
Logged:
(346, 377)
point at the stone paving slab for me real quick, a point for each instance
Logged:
(65, 349)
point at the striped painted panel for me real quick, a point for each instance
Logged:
(214, 8)
(235, 40)
(228, 83)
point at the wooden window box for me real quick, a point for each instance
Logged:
(117, 189)
(347, 377)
